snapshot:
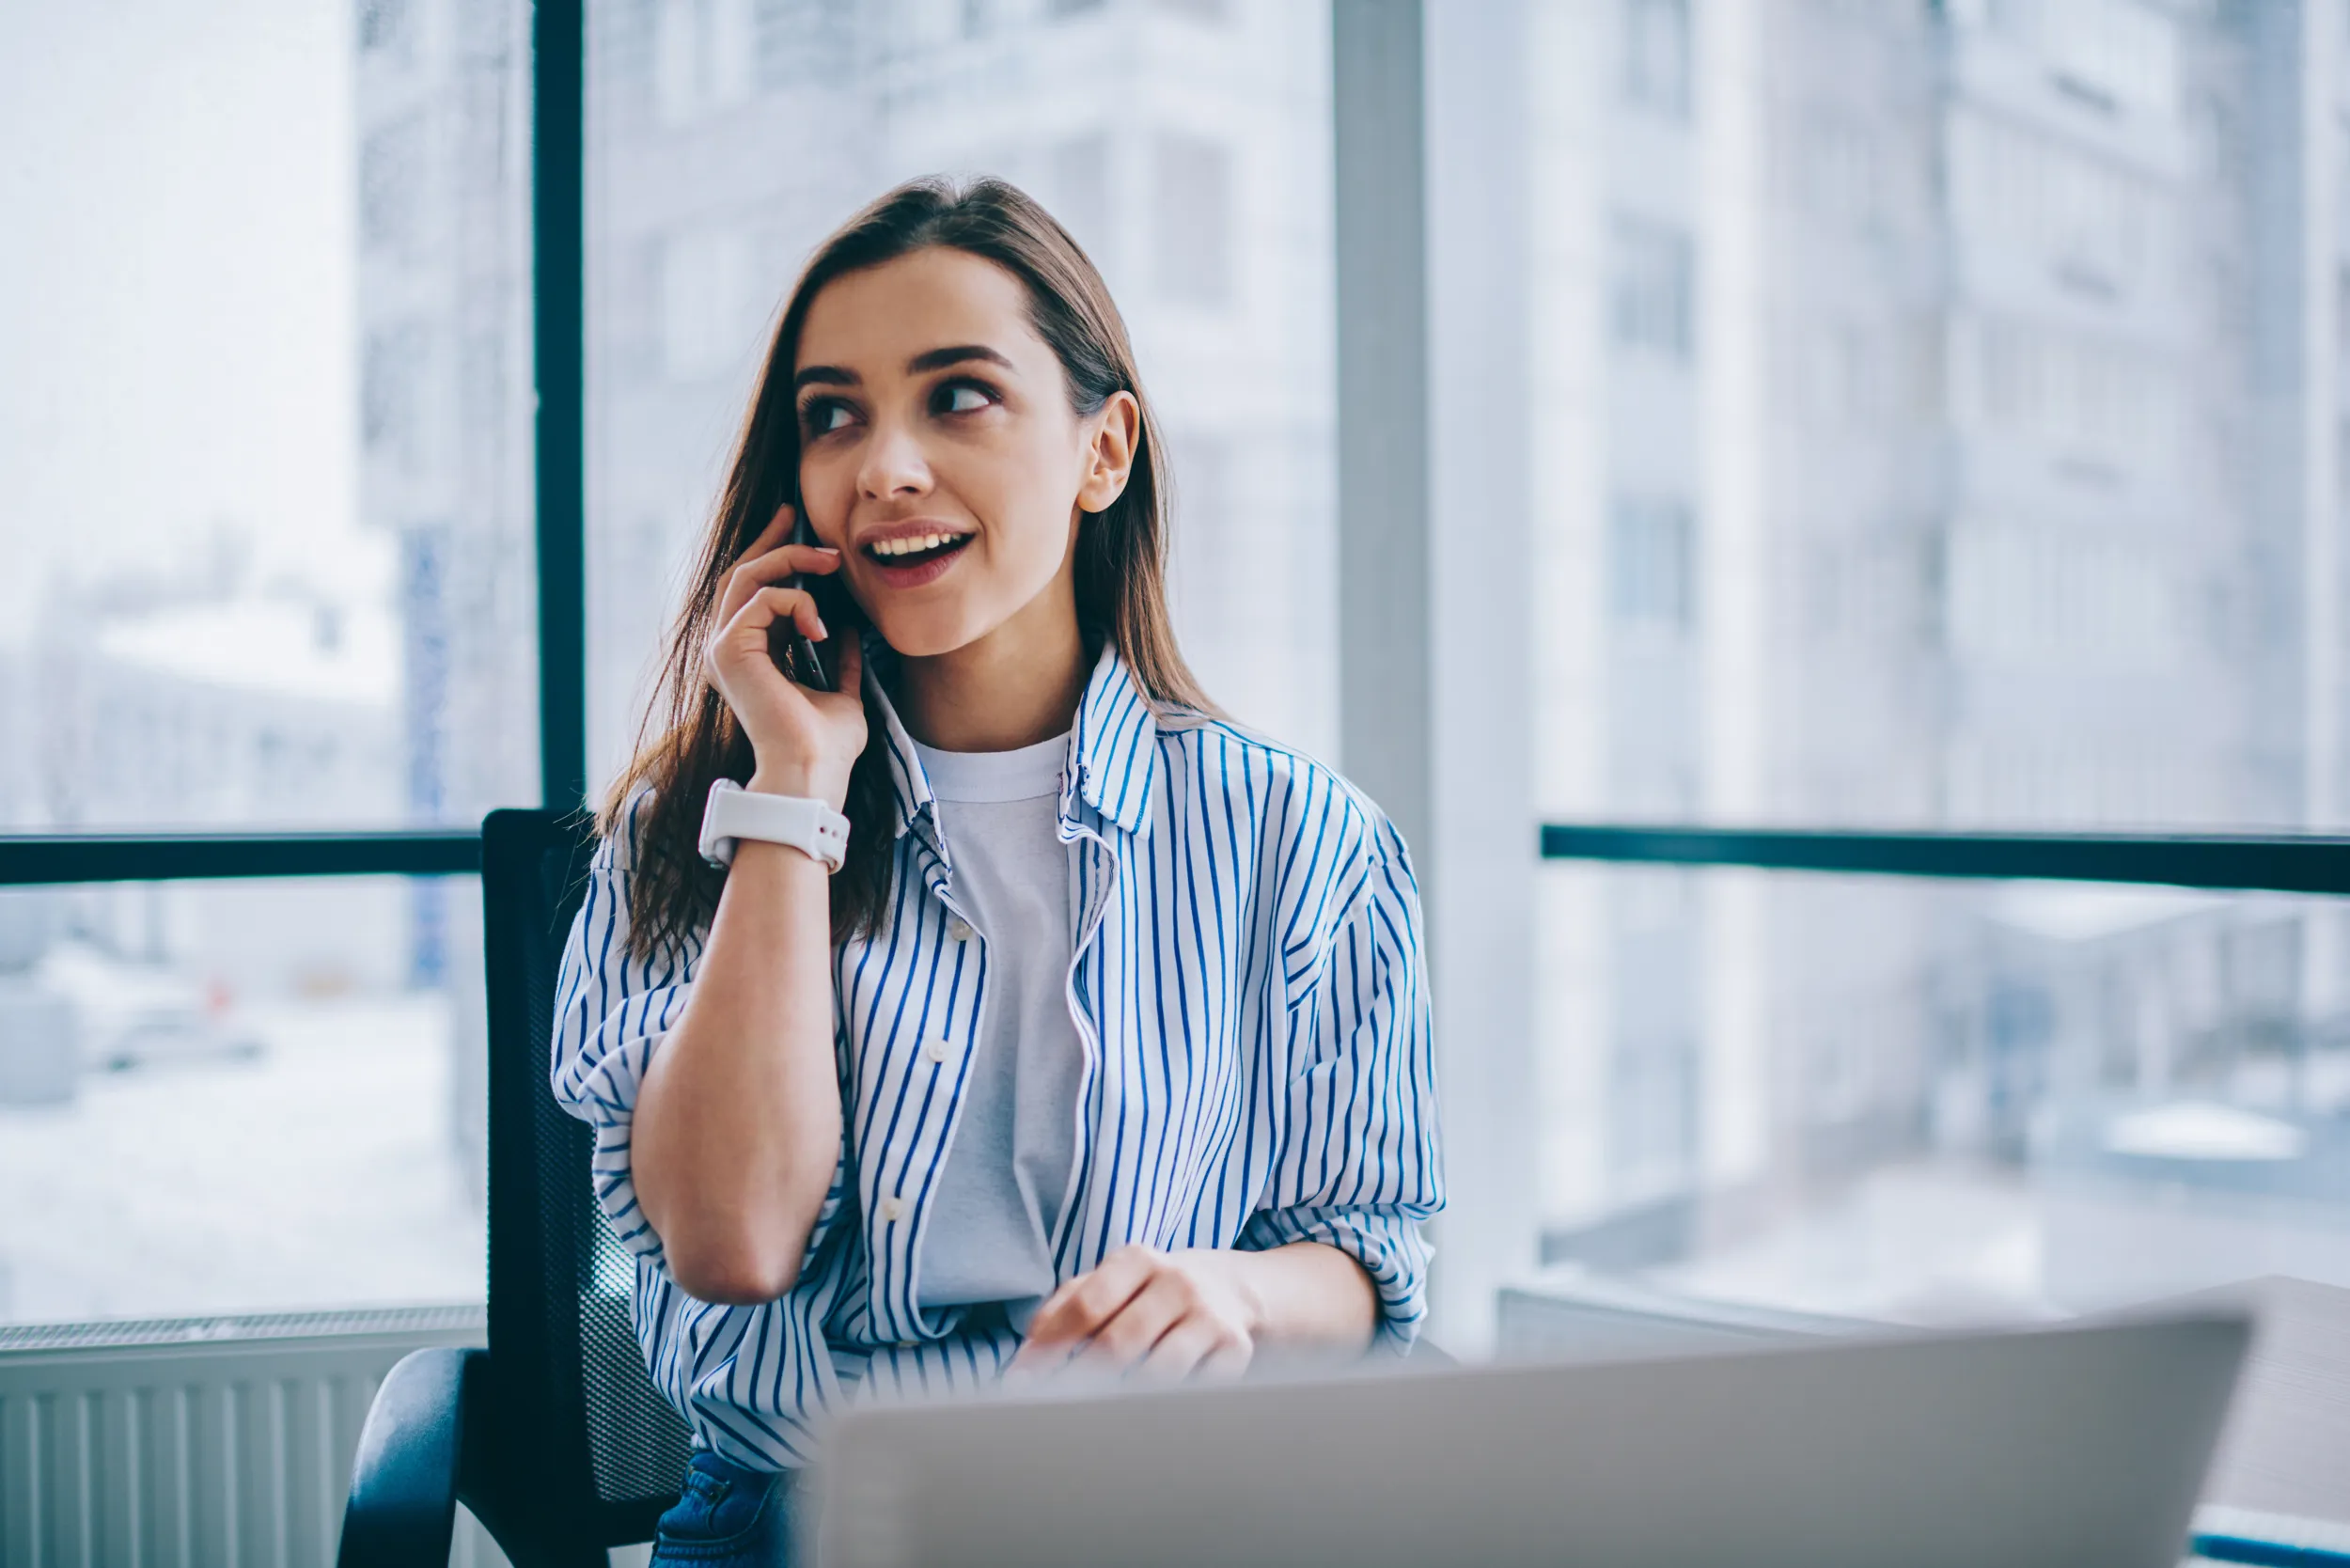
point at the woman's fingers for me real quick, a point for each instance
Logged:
(758, 572)
(748, 626)
(1191, 1346)
(1077, 1310)
(1137, 1327)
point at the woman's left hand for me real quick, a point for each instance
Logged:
(1161, 1317)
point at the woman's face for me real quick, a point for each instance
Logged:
(938, 451)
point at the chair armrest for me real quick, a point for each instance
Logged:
(403, 1484)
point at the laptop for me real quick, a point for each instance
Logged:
(2080, 1445)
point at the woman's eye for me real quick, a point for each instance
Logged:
(962, 397)
(827, 415)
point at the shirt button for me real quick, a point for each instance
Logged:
(893, 1209)
(937, 1050)
(959, 929)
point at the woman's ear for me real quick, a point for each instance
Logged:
(1110, 454)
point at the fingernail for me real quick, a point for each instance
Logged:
(822, 635)
(829, 549)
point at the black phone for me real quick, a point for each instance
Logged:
(802, 660)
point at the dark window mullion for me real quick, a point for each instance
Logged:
(2240, 863)
(558, 338)
(27, 859)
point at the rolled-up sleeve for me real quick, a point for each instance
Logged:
(1359, 1162)
(612, 1011)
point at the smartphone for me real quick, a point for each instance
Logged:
(802, 660)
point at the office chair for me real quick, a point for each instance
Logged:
(554, 1437)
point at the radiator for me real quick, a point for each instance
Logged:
(199, 1443)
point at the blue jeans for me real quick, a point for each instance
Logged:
(729, 1517)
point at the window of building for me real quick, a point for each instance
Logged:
(1651, 298)
(1650, 550)
(1656, 56)
(704, 58)
(384, 24)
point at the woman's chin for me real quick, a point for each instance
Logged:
(927, 636)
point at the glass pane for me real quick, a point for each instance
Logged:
(266, 432)
(1185, 143)
(1937, 410)
(239, 1096)
(1921, 1102)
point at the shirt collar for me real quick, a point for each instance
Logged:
(1113, 746)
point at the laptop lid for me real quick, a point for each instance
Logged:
(2076, 1445)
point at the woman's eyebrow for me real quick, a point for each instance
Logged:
(929, 359)
(824, 375)
(938, 359)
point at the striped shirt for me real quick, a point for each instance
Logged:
(1250, 990)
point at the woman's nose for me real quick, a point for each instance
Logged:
(894, 464)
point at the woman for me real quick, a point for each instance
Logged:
(1107, 1046)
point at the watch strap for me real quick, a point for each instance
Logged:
(810, 826)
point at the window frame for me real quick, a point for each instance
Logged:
(558, 363)
(1400, 390)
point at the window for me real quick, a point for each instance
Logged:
(384, 24)
(1975, 1100)
(391, 177)
(324, 376)
(238, 1096)
(1982, 508)
(704, 58)
(1650, 544)
(1656, 56)
(1654, 281)
(1977, 496)
(267, 541)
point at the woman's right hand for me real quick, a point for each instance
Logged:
(803, 742)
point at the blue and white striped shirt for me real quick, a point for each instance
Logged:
(1250, 989)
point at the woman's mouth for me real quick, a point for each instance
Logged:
(915, 558)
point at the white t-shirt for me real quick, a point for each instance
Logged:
(989, 1236)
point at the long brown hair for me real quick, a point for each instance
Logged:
(689, 737)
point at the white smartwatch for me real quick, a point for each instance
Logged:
(810, 826)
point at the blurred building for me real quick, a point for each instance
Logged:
(445, 405)
(443, 96)
(1939, 415)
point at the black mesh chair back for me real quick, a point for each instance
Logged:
(586, 1450)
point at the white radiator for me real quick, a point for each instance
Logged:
(202, 1443)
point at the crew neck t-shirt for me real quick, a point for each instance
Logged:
(989, 1237)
